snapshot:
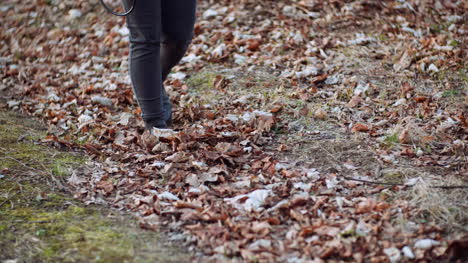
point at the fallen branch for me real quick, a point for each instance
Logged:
(35, 222)
(397, 184)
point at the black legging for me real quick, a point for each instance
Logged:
(160, 32)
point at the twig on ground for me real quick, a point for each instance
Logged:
(397, 184)
(448, 186)
(372, 182)
(34, 222)
(18, 161)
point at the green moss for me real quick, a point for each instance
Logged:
(63, 231)
(454, 43)
(393, 177)
(450, 93)
(202, 80)
(64, 164)
(462, 74)
(22, 151)
(19, 151)
(439, 27)
(441, 75)
(391, 139)
(39, 224)
(382, 37)
(82, 232)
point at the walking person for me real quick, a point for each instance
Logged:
(160, 33)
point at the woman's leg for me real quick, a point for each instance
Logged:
(178, 19)
(144, 24)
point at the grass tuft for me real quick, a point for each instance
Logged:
(444, 207)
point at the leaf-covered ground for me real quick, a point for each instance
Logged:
(305, 130)
(40, 221)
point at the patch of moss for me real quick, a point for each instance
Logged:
(382, 37)
(64, 164)
(391, 139)
(22, 151)
(393, 177)
(439, 27)
(450, 93)
(14, 139)
(462, 74)
(71, 234)
(442, 75)
(454, 43)
(203, 80)
(39, 224)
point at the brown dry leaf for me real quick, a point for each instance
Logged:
(297, 215)
(253, 44)
(381, 206)
(404, 62)
(407, 152)
(247, 254)
(365, 206)
(298, 201)
(276, 108)
(182, 204)
(319, 78)
(360, 127)
(420, 99)
(273, 221)
(327, 231)
(406, 88)
(161, 147)
(225, 147)
(220, 82)
(265, 122)
(355, 101)
(107, 186)
(151, 222)
(177, 157)
(320, 114)
(263, 228)
(306, 231)
(404, 137)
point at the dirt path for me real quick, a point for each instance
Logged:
(41, 222)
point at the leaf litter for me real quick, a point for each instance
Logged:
(216, 179)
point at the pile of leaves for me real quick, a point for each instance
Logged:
(212, 182)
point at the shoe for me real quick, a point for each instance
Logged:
(151, 137)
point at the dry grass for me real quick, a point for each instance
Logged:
(446, 207)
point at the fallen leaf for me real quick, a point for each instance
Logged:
(360, 127)
(365, 206)
(320, 114)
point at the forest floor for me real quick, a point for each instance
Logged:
(306, 131)
(40, 221)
